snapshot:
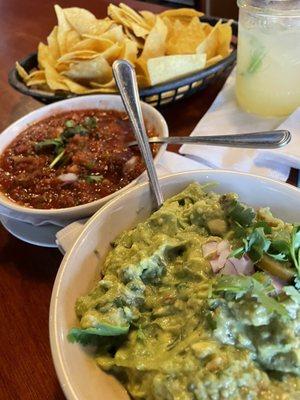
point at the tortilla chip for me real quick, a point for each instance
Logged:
(44, 56)
(129, 51)
(224, 39)
(22, 72)
(98, 45)
(62, 29)
(213, 60)
(112, 53)
(140, 29)
(81, 20)
(134, 15)
(181, 13)
(130, 35)
(53, 45)
(77, 55)
(209, 45)
(184, 39)
(155, 44)
(167, 68)
(96, 70)
(149, 17)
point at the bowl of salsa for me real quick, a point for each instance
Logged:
(63, 161)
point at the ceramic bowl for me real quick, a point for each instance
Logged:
(63, 216)
(78, 374)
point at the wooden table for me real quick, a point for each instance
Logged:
(27, 273)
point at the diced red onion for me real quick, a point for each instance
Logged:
(209, 248)
(224, 245)
(277, 283)
(243, 265)
(68, 178)
(228, 269)
(130, 164)
(223, 251)
(229, 266)
(215, 265)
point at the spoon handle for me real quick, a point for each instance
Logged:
(125, 77)
(257, 140)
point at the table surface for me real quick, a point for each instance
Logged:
(27, 272)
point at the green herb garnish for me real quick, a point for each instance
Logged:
(61, 141)
(256, 60)
(70, 123)
(240, 214)
(57, 159)
(94, 178)
(257, 55)
(90, 122)
(257, 286)
(57, 143)
(88, 336)
(68, 133)
(293, 293)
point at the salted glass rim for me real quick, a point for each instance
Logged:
(290, 8)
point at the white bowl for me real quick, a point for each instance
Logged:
(104, 102)
(78, 374)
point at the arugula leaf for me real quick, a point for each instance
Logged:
(295, 247)
(258, 286)
(292, 292)
(88, 336)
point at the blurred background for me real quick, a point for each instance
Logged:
(217, 8)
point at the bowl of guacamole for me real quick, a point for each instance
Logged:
(197, 300)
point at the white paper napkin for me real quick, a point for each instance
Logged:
(169, 163)
(290, 154)
(225, 117)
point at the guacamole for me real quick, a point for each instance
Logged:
(199, 302)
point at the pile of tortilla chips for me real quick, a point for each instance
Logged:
(81, 49)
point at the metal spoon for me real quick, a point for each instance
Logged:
(256, 140)
(125, 77)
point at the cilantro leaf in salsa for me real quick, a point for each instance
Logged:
(90, 122)
(57, 159)
(57, 143)
(94, 178)
(70, 130)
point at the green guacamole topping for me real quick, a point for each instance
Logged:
(170, 327)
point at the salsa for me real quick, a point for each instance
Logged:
(70, 159)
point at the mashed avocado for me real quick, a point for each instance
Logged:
(169, 328)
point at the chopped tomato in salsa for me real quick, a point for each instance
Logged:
(70, 159)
